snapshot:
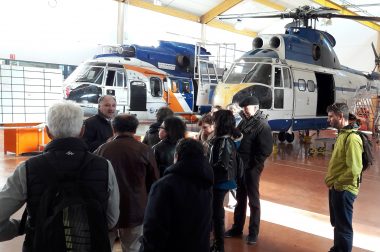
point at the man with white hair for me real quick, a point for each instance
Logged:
(63, 157)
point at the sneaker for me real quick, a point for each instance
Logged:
(251, 239)
(232, 233)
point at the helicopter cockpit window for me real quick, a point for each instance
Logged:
(119, 79)
(238, 72)
(91, 74)
(175, 87)
(186, 87)
(277, 77)
(110, 78)
(311, 86)
(155, 87)
(301, 85)
(287, 79)
(261, 73)
(279, 98)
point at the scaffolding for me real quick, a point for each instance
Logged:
(366, 105)
(209, 68)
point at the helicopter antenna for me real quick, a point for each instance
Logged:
(377, 58)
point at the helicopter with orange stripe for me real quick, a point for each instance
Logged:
(142, 79)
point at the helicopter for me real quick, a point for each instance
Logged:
(296, 75)
(144, 78)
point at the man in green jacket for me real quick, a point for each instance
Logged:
(343, 176)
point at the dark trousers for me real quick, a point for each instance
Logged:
(218, 217)
(341, 208)
(248, 186)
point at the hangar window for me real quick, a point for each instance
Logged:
(311, 86)
(301, 85)
(155, 87)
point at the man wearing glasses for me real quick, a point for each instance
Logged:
(342, 177)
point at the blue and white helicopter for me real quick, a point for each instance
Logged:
(296, 75)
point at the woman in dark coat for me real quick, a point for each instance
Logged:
(178, 213)
(223, 159)
(171, 130)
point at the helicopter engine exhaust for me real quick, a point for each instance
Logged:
(274, 42)
(257, 43)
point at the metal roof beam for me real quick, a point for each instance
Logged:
(345, 11)
(161, 9)
(219, 9)
(271, 4)
(187, 16)
(231, 28)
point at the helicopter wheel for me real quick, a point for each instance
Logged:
(281, 136)
(289, 137)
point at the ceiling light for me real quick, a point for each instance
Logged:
(52, 3)
(157, 2)
(239, 25)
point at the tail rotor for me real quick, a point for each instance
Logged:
(377, 58)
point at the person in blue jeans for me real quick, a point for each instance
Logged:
(343, 176)
(223, 160)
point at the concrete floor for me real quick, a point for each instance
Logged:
(295, 213)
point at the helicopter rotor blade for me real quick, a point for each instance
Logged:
(236, 16)
(359, 18)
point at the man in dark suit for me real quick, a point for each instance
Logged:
(98, 127)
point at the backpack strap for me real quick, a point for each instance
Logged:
(345, 141)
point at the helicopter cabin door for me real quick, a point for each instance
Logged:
(305, 99)
(283, 94)
(116, 85)
(138, 96)
(155, 97)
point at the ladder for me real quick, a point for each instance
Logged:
(376, 125)
(209, 68)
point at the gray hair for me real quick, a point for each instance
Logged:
(101, 98)
(234, 107)
(65, 119)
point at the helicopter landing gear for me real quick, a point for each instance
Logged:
(289, 137)
(281, 136)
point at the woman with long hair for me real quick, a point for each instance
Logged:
(223, 159)
(171, 130)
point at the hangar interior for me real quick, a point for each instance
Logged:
(56, 36)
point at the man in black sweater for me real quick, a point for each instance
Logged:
(255, 147)
(98, 127)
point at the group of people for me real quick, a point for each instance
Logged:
(166, 193)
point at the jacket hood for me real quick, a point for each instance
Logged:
(194, 169)
(69, 143)
(154, 128)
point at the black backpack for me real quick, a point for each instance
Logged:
(367, 155)
(69, 217)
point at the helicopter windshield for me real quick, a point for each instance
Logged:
(250, 72)
(87, 73)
